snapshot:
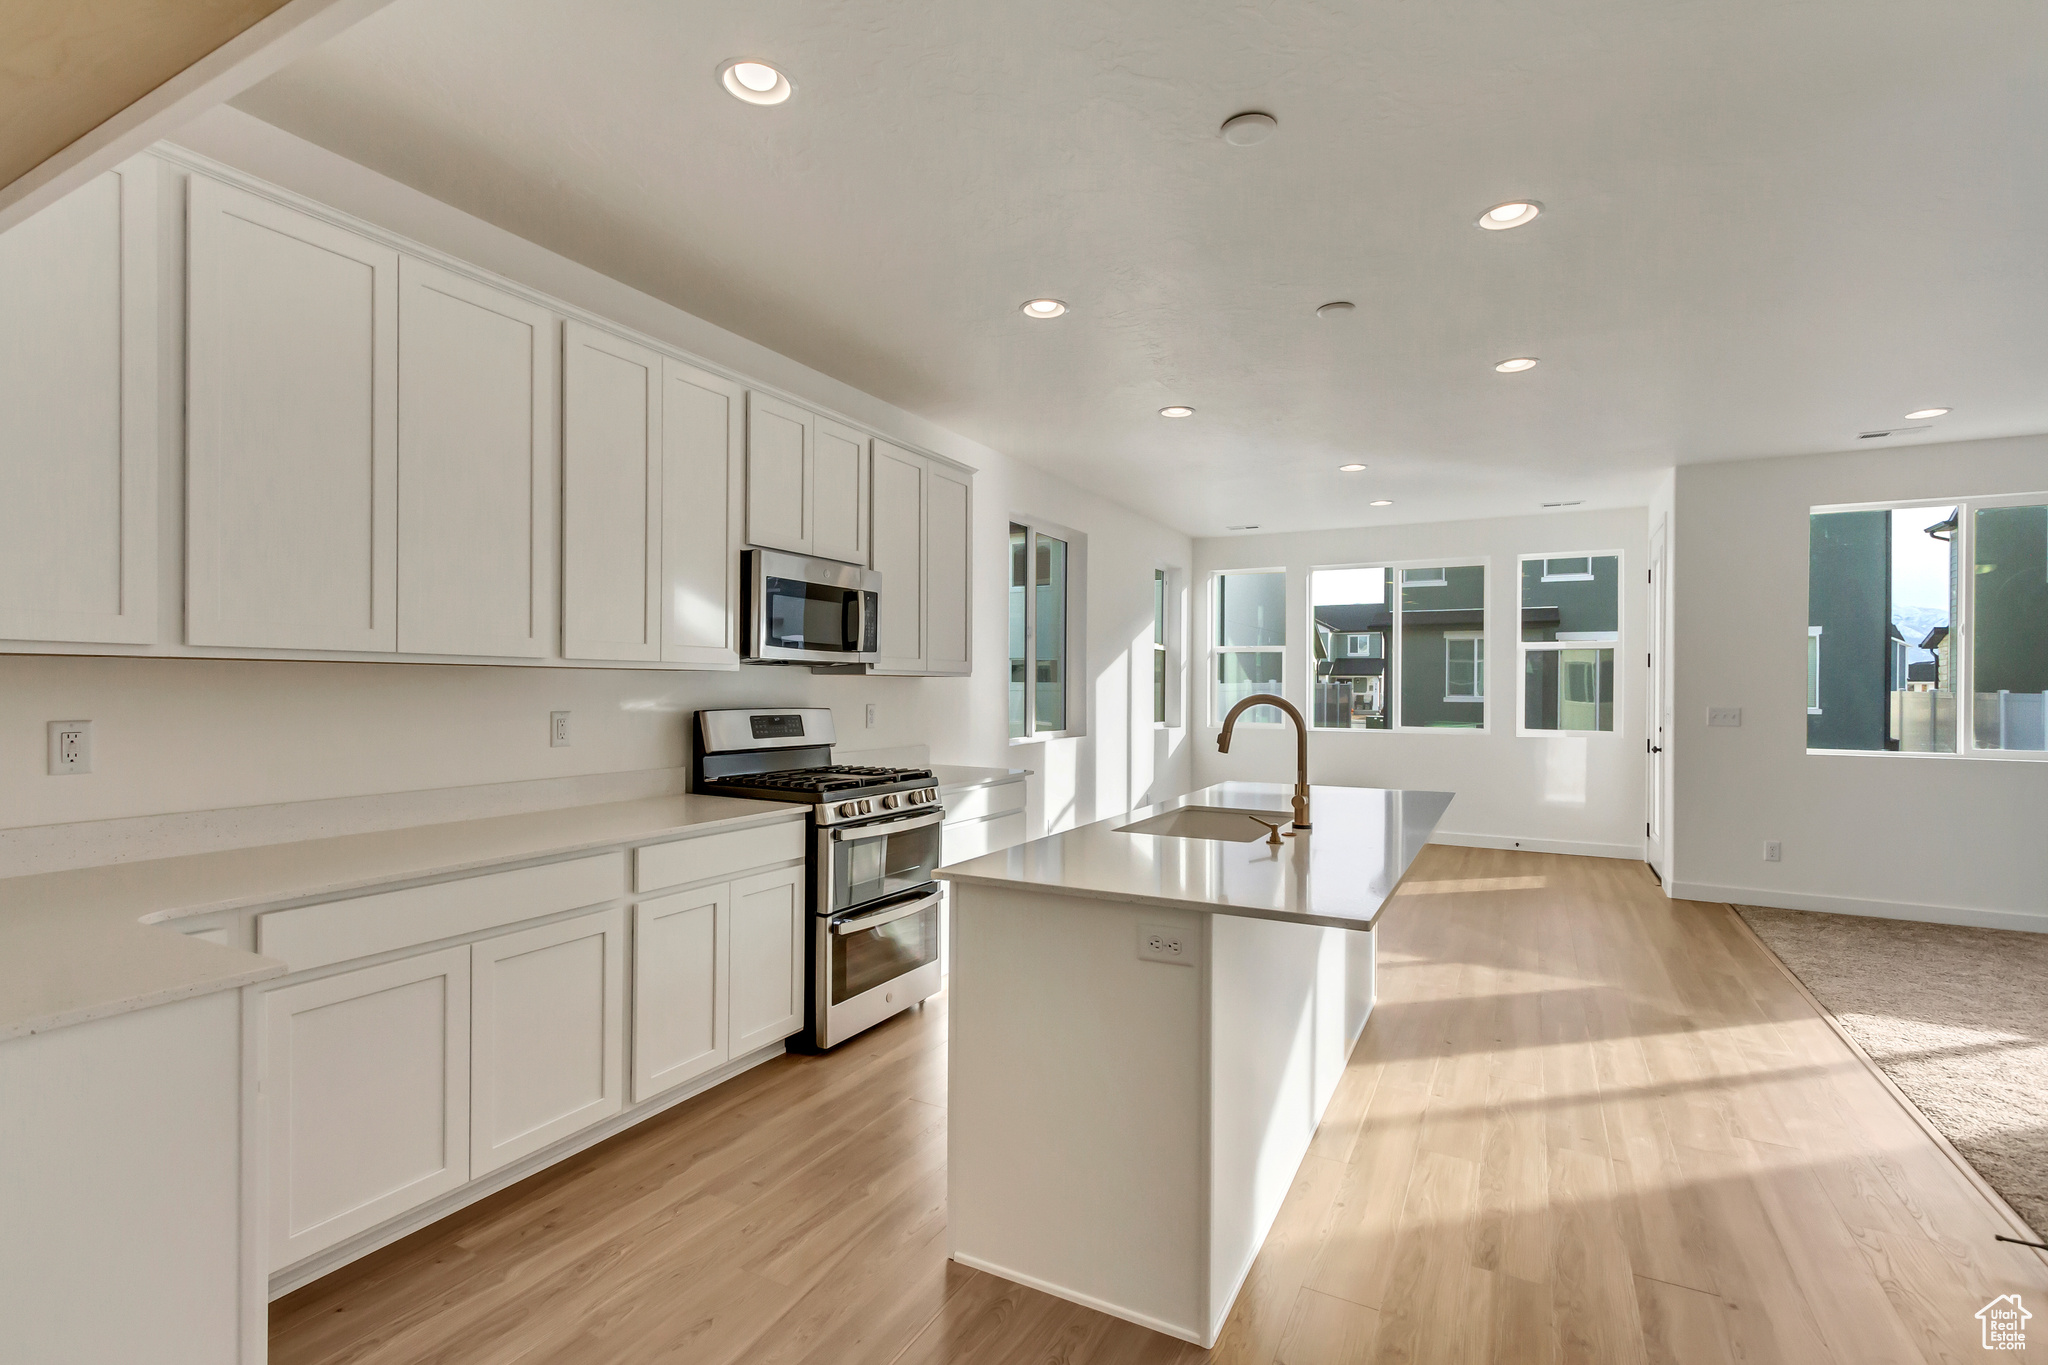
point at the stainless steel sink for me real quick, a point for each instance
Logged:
(1210, 822)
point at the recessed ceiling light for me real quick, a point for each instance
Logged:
(1349, 468)
(1177, 411)
(1517, 365)
(1340, 308)
(1926, 412)
(1512, 214)
(1044, 308)
(755, 82)
(1242, 130)
(1383, 502)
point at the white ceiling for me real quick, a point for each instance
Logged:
(1769, 225)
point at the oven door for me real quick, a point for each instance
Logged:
(810, 610)
(859, 865)
(875, 962)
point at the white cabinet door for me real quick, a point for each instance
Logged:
(778, 474)
(476, 432)
(547, 1035)
(703, 448)
(769, 919)
(680, 963)
(949, 570)
(78, 389)
(365, 1098)
(839, 492)
(897, 520)
(291, 497)
(611, 497)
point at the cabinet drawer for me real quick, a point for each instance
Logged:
(716, 855)
(977, 837)
(316, 935)
(983, 801)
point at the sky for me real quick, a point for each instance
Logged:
(1920, 571)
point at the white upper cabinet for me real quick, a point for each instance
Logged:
(839, 492)
(476, 432)
(291, 447)
(703, 443)
(78, 389)
(949, 570)
(778, 474)
(898, 519)
(611, 497)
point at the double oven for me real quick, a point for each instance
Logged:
(875, 845)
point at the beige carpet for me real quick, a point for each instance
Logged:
(1958, 1018)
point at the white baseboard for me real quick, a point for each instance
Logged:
(292, 1277)
(1573, 847)
(1085, 1300)
(2029, 921)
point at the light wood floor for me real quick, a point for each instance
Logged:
(1585, 1124)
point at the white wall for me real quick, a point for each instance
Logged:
(1566, 794)
(1952, 840)
(176, 735)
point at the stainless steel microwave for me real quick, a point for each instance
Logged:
(809, 611)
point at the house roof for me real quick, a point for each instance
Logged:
(1357, 668)
(1934, 638)
(1355, 617)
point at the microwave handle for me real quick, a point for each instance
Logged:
(879, 829)
(894, 912)
(860, 622)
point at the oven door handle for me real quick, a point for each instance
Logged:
(894, 912)
(880, 828)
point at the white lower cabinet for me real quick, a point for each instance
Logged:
(680, 990)
(768, 922)
(366, 1098)
(547, 1035)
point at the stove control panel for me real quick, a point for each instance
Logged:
(856, 808)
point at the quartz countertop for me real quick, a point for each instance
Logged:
(91, 942)
(953, 778)
(1339, 874)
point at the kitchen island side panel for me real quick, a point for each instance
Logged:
(1078, 1106)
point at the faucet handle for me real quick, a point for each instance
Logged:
(1273, 828)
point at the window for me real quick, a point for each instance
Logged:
(1162, 663)
(1351, 612)
(1571, 628)
(1044, 699)
(1813, 670)
(1441, 658)
(2009, 641)
(1250, 647)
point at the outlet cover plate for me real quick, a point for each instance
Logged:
(558, 729)
(1730, 716)
(70, 747)
(1166, 943)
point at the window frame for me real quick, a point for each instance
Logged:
(1213, 652)
(1076, 655)
(1813, 634)
(1391, 648)
(1478, 638)
(1170, 621)
(1573, 639)
(1962, 627)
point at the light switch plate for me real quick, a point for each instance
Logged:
(70, 747)
(1730, 716)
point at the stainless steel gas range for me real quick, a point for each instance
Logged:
(874, 943)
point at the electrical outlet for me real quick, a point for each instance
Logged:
(558, 729)
(70, 747)
(1724, 715)
(1774, 852)
(871, 715)
(1164, 943)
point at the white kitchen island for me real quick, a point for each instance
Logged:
(1146, 1028)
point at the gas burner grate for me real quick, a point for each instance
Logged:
(837, 778)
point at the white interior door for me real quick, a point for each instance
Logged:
(680, 964)
(291, 466)
(365, 1098)
(839, 492)
(476, 425)
(703, 446)
(949, 570)
(1658, 713)
(611, 497)
(897, 521)
(778, 474)
(78, 388)
(547, 1035)
(769, 918)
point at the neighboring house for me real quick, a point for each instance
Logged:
(1575, 602)
(1443, 647)
(1849, 625)
(1351, 665)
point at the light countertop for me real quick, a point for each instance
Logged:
(89, 943)
(1340, 874)
(953, 778)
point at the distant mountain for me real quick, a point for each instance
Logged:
(1915, 622)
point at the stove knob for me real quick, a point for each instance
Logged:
(890, 803)
(865, 807)
(844, 810)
